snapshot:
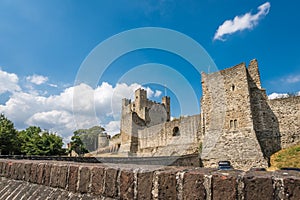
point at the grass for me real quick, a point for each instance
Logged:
(289, 157)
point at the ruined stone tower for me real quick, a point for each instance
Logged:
(238, 124)
(139, 114)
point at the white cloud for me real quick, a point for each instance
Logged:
(8, 82)
(239, 23)
(76, 107)
(150, 93)
(157, 93)
(113, 127)
(282, 95)
(277, 95)
(292, 79)
(51, 118)
(53, 85)
(37, 79)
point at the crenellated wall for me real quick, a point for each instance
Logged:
(139, 114)
(27, 179)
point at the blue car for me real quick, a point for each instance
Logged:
(224, 165)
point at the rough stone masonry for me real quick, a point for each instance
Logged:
(237, 122)
(28, 179)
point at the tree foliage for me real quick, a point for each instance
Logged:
(34, 141)
(8, 137)
(77, 145)
(31, 141)
(86, 140)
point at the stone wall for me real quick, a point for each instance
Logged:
(139, 114)
(287, 112)
(178, 137)
(126, 125)
(265, 122)
(90, 181)
(229, 132)
(237, 122)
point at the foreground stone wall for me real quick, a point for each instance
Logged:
(91, 181)
(16, 189)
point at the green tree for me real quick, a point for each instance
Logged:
(77, 145)
(52, 144)
(28, 140)
(8, 137)
(34, 141)
(89, 137)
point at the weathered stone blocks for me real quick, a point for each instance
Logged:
(165, 184)
(97, 181)
(224, 185)
(110, 184)
(193, 185)
(40, 173)
(262, 179)
(47, 174)
(33, 171)
(84, 179)
(126, 184)
(73, 178)
(27, 171)
(144, 184)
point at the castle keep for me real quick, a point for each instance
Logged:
(237, 122)
(146, 129)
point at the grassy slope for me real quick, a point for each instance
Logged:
(289, 157)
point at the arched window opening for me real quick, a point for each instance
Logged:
(231, 123)
(176, 131)
(235, 123)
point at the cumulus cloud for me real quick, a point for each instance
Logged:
(157, 93)
(76, 107)
(243, 22)
(113, 127)
(8, 82)
(37, 79)
(277, 95)
(282, 95)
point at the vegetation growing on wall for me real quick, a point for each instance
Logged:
(200, 148)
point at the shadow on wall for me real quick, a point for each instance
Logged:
(266, 125)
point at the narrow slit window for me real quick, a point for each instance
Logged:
(235, 123)
(232, 87)
(231, 123)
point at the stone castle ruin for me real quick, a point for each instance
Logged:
(237, 122)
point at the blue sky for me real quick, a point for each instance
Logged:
(43, 44)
